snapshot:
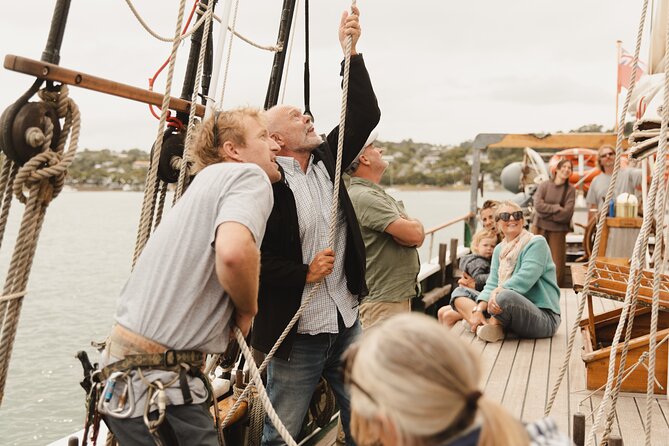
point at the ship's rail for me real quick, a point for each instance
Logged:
(438, 228)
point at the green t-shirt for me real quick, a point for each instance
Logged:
(391, 268)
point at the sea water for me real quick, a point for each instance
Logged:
(82, 261)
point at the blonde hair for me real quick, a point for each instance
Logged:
(229, 126)
(482, 234)
(424, 381)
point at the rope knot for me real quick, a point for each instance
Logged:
(44, 174)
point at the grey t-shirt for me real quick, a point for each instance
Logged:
(629, 180)
(173, 295)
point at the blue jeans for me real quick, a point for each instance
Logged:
(291, 383)
(525, 319)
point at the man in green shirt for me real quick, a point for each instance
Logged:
(390, 237)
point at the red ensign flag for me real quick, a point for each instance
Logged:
(625, 65)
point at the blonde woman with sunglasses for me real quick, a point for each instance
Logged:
(415, 383)
(521, 294)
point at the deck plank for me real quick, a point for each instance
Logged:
(560, 411)
(501, 369)
(537, 384)
(516, 390)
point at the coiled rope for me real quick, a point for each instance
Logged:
(255, 371)
(35, 184)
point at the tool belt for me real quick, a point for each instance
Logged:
(140, 352)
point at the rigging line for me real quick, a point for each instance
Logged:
(660, 165)
(598, 234)
(291, 40)
(150, 184)
(191, 119)
(229, 55)
(198, 23)
(627, 315)
(333, 222)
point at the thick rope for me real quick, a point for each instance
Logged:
(7, 176)
(183, 170)
(600, 225)
(333, 221)
(614, 380)
(262, 393)
(150, 186)
(161, 204)
(42, 177)
(660, 206)
(196, 25)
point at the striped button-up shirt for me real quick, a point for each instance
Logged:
(313, 193)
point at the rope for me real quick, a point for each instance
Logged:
(228, 57)
(191, 117)
(161, 204)
(150, 185)
(256, 378)
(256, 421)
(612, 389)
(36, 184)
(600, 225)
(660, 206)
(196, 25)
(13, 296)
(7, 176)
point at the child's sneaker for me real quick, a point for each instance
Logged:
(490, 333)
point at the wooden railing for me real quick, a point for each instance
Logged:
(438, 228)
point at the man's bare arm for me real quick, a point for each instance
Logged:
(238, 270)
(407, 232)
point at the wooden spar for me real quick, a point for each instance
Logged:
(51, 72)
(550, 141)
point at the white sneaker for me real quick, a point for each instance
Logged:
(490, 333)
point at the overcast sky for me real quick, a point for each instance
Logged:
(443, 71)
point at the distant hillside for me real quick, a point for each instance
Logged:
(411, 163)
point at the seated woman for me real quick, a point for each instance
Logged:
(521, 294)
(413, 382)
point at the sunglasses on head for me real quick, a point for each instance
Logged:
(347, 365)
(506, 216)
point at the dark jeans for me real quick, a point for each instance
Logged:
(525, 319)
(291, 383)
(184, 425)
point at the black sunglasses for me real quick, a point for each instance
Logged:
(506, 216)
(607, 155)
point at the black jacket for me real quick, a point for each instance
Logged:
(283, 271)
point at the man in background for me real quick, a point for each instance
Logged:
(390, 236)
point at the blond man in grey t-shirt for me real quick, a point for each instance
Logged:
(195, 279)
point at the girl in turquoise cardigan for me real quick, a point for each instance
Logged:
(521, 294)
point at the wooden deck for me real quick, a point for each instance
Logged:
(520, 375)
